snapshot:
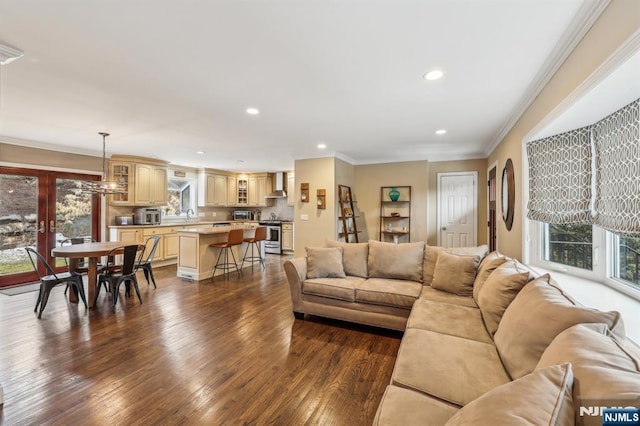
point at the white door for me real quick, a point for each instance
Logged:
(457, 209)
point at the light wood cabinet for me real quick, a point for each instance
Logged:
(122, 172)
(287, 237)
(242, 191)
(212, 189)
(168, 243)
(170, 246)
(126, 235)
(150, 187)
(260, 185)
(291, 189)
(232, 191)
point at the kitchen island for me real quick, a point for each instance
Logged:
(196, 259)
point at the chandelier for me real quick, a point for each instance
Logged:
(104, 186)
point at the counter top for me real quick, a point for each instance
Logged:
(210, 222)
(215, 229)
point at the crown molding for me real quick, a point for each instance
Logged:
(589, 12)
(50, 146)
(9, 54)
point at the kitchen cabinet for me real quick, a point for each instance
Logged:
(168, 243)
(232, 191)
(212, 189)
(122, 172)
(291, 189)
(259, 186)
(126, 235)
(242, 191)
(287, 236)
(150, 187)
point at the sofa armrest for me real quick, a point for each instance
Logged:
(296, 270)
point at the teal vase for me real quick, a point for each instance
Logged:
(394, 194)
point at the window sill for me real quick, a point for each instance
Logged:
(603, 297)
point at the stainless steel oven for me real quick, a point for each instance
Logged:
(273, 243)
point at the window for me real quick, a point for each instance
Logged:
(181, 196)
(627, 260)
(570, 245)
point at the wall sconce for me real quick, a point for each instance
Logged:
(304, 192)
(322, 199)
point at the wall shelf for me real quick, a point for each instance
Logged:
(395, 216)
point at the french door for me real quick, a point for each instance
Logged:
(40, 209)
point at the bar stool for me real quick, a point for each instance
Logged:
(235, 238)
(259, 235)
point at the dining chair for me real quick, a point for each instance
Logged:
(234, 238)
(259, 236)
(126, 274)
(150, 247)
(83, 264)
(51, 279)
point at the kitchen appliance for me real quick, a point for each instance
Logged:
(124, 220)
(147, 216)
(242, 215)
(279, 187)
(273, 243)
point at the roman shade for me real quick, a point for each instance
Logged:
(560, 178)
(616, 140)
(561, 169)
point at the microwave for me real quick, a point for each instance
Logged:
(146, 216)
(242, 215)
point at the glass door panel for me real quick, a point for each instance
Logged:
(18, 224)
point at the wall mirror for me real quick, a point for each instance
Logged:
(508, 194)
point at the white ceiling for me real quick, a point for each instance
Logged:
(169, 78)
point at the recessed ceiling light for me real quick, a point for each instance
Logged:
(433, 75)
(253, 111)
(200, 152)
(240, 161)
(441, 132)
(322, 146)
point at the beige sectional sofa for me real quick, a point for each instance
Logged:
(486, 340)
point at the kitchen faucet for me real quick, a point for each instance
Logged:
(190, 214)
(273, 216)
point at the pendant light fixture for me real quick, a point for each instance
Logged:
(104, 186)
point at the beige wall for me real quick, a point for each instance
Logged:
(46, 158)
(319, 173)
(368, 180)
(479, 166)
(617, 24)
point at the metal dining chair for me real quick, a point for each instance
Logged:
(83, 264)
(51, 279)
(150, 247)
(126, 274)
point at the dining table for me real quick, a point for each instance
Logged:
(91, 251)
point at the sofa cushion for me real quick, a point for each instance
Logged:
(606, 372)
(451, 368)
(324, 262)
(455, 320)
(354, 257)
(335, 288)
(431, 256)
(498, 292)
(487, 266)
(455, 273)
(540, 398)
(400, 406)
(431, 293)
(396, 261)
(536, 316)
(383, 291)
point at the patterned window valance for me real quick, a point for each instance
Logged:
(560, 178)
(617, 152)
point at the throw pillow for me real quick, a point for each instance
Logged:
(354, 257)
(324, 262)
(487, 266)
(543, 397)
(396, 261)
(536, 316)
(431, 256)
(455, 274)
(498, 292)
(607, 372)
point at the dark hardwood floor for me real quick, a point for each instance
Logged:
(228, 352)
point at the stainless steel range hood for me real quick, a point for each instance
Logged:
(279, 191)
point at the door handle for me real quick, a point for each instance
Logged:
(444, 228)
(42, 229)
(52, 226)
